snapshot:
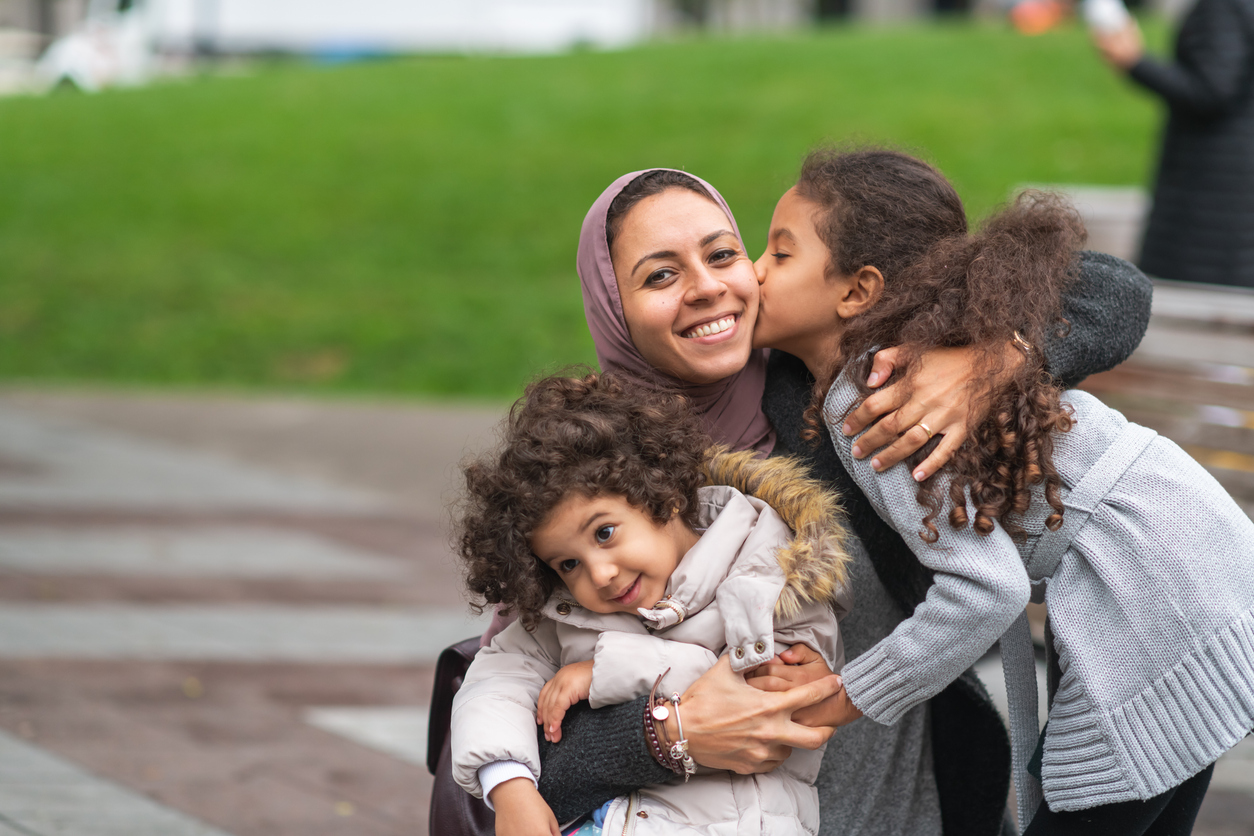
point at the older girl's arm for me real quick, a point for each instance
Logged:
(980, 586)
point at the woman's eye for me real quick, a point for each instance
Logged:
(659, 277)
(722, 255)
(604, 533)
(567, 566)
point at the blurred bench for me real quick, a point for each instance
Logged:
(1192, 379)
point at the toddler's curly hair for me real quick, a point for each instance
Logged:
(590, 436)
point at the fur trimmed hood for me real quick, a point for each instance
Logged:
(815, 563)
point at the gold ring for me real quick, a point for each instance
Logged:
(926, 429)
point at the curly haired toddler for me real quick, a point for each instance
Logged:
(634, 557)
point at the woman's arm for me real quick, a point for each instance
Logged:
(1108, 308)
(728, 723)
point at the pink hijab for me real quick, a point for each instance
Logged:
(731, 407)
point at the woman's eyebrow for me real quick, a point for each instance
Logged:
(658, 254)
(714, 236)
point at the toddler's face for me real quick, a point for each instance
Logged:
(611, 555)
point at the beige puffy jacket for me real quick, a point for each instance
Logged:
(749, 587)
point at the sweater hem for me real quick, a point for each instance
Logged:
(878, 688)
(1160, 738)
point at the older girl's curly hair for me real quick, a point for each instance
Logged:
(998, 287)
(590, 436)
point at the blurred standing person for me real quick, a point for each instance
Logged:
(1201, 227)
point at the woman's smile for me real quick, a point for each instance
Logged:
(713, 331)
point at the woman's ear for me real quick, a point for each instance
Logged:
(862, 290)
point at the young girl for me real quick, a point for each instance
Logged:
(629, 577)
(1144, 560)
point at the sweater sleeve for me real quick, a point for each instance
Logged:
(1108, 308)
(1213, 61)
(980, 587)
(603, 754)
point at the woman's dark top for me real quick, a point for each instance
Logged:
(603, 752)
(1201, 227)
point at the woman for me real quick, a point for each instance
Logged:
(1201, 228)
(671, 296)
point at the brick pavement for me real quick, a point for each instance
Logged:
(217, 614)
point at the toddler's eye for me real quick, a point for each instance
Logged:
(604, 533)
(567, 566)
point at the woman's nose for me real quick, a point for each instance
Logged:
(705, 286)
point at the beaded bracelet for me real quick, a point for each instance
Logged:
(652, 733)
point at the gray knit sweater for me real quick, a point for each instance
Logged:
(1151, 598)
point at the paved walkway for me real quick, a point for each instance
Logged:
(218, 615)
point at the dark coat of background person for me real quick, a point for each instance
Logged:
(1201, 227)
(603, 753)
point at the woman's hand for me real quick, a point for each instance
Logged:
(940, 402)
(520, 811)
(1121, 49)
(731, 725)
(568, 686)
(801, 665)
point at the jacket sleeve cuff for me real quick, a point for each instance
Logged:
(878, 687)
(494, 774)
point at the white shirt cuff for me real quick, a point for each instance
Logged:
(496, 773)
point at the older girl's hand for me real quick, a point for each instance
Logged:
(732, 725)
(800, 665)
(939, 405)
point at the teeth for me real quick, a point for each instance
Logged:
(712, 327)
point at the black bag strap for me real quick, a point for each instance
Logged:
(450, 669)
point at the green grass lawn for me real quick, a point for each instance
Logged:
(410, 226)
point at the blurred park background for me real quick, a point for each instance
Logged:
(409, 225)
(258, 297)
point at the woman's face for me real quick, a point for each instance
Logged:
(798, 303)
(689, 291)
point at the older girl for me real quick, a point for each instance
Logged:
(1147, 560)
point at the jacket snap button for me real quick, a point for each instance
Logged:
(563, 608)
(760, 647)
(740, 653)
(643, 814)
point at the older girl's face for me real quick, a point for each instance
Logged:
(690, 295)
